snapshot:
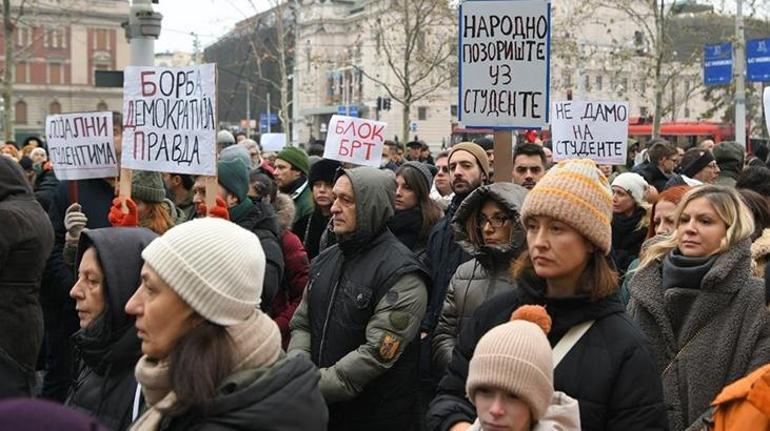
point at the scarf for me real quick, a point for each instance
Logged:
(239, 211)
(685, 272)
(256, 343)
(626, 233)
(406, 226)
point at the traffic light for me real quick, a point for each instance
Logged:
(386, 104)
(379, 103)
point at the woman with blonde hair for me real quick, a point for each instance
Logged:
(695, 299)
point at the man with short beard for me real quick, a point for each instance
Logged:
(291, 169)
(528, 165)
(468, 169)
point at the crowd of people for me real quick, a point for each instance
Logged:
(422, 295)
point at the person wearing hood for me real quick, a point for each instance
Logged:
(295, 270)
(108, 264)
(26, 240)
(698, 166)
(416, 213)
(630, 218)
(233, 203)
(360, 315)
(311, 228)
(697, 303)
(211, 359)
(291, 170)
(730, 158)
(487, 225)
(469, 170)
(89, 209)
(606, 366)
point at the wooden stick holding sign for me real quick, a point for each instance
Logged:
(124, 187)
(212, 188)
(503, 156)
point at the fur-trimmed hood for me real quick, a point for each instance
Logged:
(760, 253)
(284, 210)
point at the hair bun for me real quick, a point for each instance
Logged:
(535, 314)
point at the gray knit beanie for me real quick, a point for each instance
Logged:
(214, 265)
(148, 186)
(423, 169)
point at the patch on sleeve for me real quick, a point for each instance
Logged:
(391, 297)
(389, 347)
(399, 320)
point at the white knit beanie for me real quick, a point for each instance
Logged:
(214, 265)
(632, 183)
(515, 357)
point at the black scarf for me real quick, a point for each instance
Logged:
(101, 349)
(294, 185)
(685, 272)
(406, 226)
(626, 233)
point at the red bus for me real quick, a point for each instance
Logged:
(685, 133)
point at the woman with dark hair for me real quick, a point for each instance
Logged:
(606, 365)
(416, 212)
(694, 292)
(630, 215)
(108, 265)
(487, 226)
(212, 359)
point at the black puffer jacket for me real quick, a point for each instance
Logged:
(109, 348)
(260, 219)
(653, 175)
(628, 234)
(609, 371)
(282, 397)
(26, 239)
(483, 276)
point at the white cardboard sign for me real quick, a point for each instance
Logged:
(504, 55)
(590, 130)
(81, 145)
(170, 119)
(272, 141)
(355, 140)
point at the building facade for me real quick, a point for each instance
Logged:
(58, 47)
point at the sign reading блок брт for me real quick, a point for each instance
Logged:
(504, 56)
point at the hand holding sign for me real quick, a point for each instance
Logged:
(355, 140)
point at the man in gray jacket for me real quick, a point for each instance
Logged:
(360, 315)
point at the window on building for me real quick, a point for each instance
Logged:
(102, 106)
(101, 39)
(566, 77)
(55, 73)
(422, 113)
(20, 116)
(599, 82)
(54, 108)
(643, 85)
(587, 82)
(22, 36)
(54, 38)
(453, 110)
(21, 73)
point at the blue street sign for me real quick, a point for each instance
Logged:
(758, 60)
(353, 110)
(718, 64)
(273, 118)
(262, 127)
(342, 110)
(413, 127)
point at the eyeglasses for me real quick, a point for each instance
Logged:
(443, 169)
(497, 221)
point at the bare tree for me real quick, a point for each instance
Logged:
(416, 41)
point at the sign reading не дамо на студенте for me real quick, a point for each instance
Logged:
(169, 117)
(504, 55)
(590, 130)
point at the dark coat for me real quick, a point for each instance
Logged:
(109, 348)
(444, 256)
(627, 238)
(723, 332)
(45, 187)
(653, 175)
(609, 371)
(95, 197)
(26, 239)
(309, 229)
(282, 397)
(261, 220)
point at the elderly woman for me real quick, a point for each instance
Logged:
(212, 359)
(697, 303)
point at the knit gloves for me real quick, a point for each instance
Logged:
(74, 222)
(120, 219)
(219, 210)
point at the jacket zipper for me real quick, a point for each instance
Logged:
(326, 322)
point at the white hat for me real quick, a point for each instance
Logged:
(632, 183)
(214, 265)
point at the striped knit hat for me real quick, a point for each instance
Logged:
(517, 358)
(214, 265)
(576, 193)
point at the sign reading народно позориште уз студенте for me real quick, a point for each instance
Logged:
(504, 56)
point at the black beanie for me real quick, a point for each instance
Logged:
(323, 170)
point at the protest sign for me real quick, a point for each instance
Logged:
(767, 108)
(81, 145)
(504, 63)
(272, 141)
(170, 119)
(355, 140)
(590, 130)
